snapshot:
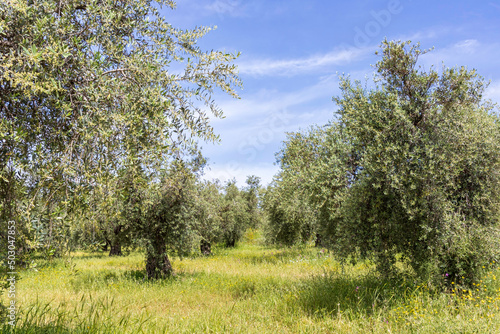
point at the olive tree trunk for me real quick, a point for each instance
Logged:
(157, 263)
(205, 247)
(318, 242)
(116, 249)
(115, 243)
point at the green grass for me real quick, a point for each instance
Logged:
(250, 289)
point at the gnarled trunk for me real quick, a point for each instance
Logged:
(157, 263)
(205, 247)
(230, 239)
(116, 249)
(115, 242)
(319, 241)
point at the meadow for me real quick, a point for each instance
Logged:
(252, 288)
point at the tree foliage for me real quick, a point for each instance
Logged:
(290, 218)
(167, 222)
(410, 168)
(252, 194)
(233, 214)
(97, 99)
(208, 217)
(89, 87)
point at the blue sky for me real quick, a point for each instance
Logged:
(293, 51)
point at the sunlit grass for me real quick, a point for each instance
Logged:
(250, 289)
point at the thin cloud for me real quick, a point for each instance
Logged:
(193, 10)
(467, 46)
(226, 7)
(431, 33)
(240, 171)
(265, 102)
(292, 67)
(464, 52)
(493, 92)
(497, 6)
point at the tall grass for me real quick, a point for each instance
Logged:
(249, 289)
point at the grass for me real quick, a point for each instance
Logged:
(249, 289)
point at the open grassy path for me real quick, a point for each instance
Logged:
(250, 289)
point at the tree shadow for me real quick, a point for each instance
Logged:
(42, 329)
(140, 276)
(276, 256)
(90, 315)
(330, 293)
(88, 256)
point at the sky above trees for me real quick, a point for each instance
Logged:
(293, 51)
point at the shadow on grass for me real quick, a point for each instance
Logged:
(42, 329)
(76, 256)
(330, 293)
(236, 286)
(103, 278)
(141, 276)
(88, 256)
(278, 256)
(90, 315)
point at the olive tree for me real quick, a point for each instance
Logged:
(223, 214)
(409, 170)
(167, 222)
(233, 214)
(208, 207)
(422, 162)
(290, 218)
(252, 194)
(88, 88)
(302, 199)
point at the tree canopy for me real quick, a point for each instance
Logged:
(409, 169)
(90, 88)
(97, 100)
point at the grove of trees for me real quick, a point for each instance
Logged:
(103, 105)
(408, 171)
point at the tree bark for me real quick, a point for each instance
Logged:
(318, 242)
(157, 263)
(230, 241)
(116, 249)
(205, 247)
(115, 243)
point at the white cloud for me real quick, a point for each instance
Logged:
(431, 33)
(291, 67)
(467, 46)
(190, 12)
(493, 92)
(341, 55)
(497, 6)
(265, 101)
(460, 53)
(255, 127)
(225, 7)
(239, 171)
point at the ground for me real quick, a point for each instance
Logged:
(250, 289)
